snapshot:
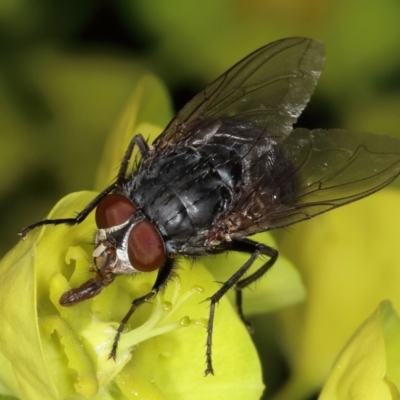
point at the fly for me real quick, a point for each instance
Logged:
(229, 165)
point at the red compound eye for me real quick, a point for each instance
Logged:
(113, 210)
(146, 247)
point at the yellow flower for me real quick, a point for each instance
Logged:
(369, 366)
(52, 352)
(347, 259)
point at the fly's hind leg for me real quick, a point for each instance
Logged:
(139, 141)
(264, 250)
(243, 246)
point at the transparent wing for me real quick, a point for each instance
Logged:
(269, 88)
(326, 169)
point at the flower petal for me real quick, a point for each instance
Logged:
(365, 368)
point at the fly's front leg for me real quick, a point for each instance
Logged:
(164, 274)
(69, 221)
(243, 246)
(143, 147)
(139, 141)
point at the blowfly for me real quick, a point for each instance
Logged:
(229, 165)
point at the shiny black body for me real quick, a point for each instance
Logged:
(230, 165)
(185, 192)
(188, 191)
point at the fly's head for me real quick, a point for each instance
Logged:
(125, 243)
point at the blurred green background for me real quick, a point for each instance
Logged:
(67, 69)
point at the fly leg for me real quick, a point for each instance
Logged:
(164, 274)
(243, 246)
(265, 250)
(139, 141)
